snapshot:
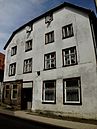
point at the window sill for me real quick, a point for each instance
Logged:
(12, 75)
(49, 42)
(50, 69)
(13, 55)
(28, 50)
(27, 72)
(46, 102)
(67, 37)
(70, 65)
(67, 103)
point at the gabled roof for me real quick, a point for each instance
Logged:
(65, 4)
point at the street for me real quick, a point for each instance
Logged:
(8, 122)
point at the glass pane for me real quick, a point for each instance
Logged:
(63, 32)
(72, 50)
(72, 83)
(14, 93)
(49, 85)
(73, 59)
(47, 57)
(72, 95)
(7, 86)
(47, 64)
(49, 95)
(67, 61)
(7, 93)
(14, 86)
(66, 52)
(46, 38)
(50, 37)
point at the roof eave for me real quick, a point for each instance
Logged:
(43, 15)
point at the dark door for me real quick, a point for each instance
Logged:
(26, 97)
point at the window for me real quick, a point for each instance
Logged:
(49, 37)
(50, 61)
(28, 45)
(72, 91)
(7, 91)
(67, 31)
(12, 69)
(49, 18)
(14, 92)
(49, 91)
(13, 50)
(27, 65)
(69, 56)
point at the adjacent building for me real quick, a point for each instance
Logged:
(2, 58)
(50, 63)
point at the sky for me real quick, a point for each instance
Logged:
(15, 13)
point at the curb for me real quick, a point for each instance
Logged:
(48, 121)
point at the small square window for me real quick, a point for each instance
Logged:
(69, 56)
(67, 31)
(27, 65)
(72, 91)
(49, 37)
(48, 94)
(28, 45)
(50, 61)
(13, 51)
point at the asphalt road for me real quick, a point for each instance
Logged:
(8, 122)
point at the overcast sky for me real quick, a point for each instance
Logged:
(15, 13)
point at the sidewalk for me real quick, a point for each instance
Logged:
(52, 121)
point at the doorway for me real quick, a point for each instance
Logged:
(26, 100)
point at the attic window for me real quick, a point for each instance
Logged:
(13, 51)
(49, 18)
(29, 28)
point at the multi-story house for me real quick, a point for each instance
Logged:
(2, 58)
(51, 62)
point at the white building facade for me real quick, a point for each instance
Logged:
(51, 62)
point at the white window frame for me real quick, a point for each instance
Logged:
(72, 88)
(49, 37)
(12, 92)
(52, 89)
(28, 45)
(70, 56)
(49, 61)
(67, 31)
(13, 50)
(27, 66)
(12, 69)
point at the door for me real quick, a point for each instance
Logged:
(26, 99)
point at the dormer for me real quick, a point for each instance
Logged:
(49, 18)
(29, 28)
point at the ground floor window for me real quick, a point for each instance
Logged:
(7, 91)
(72, 91)
(49, 88)
(14, 92)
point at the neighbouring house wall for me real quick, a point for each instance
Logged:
(7, 96)
(85, 69)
